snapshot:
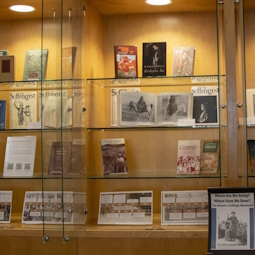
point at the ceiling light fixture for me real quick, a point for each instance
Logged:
(158, 2)
(21, 8)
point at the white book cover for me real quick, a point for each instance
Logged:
(149, 109)
(23, 109)
(114, 156)
(115, 92)
(205, 105)
(79, 108)
(19, 156)
(188, 160)
(5, 206)
(46, 207)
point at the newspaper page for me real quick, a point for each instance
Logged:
(19, 156)
(232, 217)
(23, 109)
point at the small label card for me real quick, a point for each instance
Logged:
(35, 213)
(189, 214)
(202, 213)
(182, 201)
(49, 213)
(175, 214)
(130, 81)
(168, 201)
(195, 201)
(145, 201)
(125, 213)
(186, 122)
(113, 214)
(120, 200)
(138, 213)
(106, 199)
(132, 202)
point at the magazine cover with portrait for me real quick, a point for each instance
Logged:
(114, 156)
(154, 59)
(205, 105)
(125, 61)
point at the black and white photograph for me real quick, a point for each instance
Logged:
(114, 156)
(137, 108)
(183, 63)
(5, 206)
(173, 106)
(205, 105)
(154, 59)
(233, 228)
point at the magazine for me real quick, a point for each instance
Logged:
(114, 156)
(154, 59)
(183, 64)
(188, 159)
(23, 109)
(143, 108)
(205, 105)
(125, 61)
(35, 64)
(5, 206)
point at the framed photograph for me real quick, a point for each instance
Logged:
(231, 221)
(126, 208)
(184, 207)
(205, 105)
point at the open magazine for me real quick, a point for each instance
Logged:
(143, 108)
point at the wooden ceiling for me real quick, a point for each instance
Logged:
(108, 7)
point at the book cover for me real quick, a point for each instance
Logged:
(7, 68)
(251, 144)
(205, 105)
(183, 63)
(114, 156)
(149, 109)
(68, 62)
(209, 156)
(3, 52)
(23, 109)
(2, 114)
(35, 65)
(60, 158)
(188, 160)
(125, 61)
(79, 108)
(154, 59)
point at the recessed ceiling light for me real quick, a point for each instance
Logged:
(158, 2)
(21, 8)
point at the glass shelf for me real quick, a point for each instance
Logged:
(36, 85)
(38, 176)
(164, 175)
(202, 80)
(44, 130)
(151, 127)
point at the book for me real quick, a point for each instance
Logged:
(19, 156)
(78, 156)
(114, 156)
(188, 159)
(143, 108)
(183, 63)
(251, 144)
(23, 109)
(7, 68)
(35, 65)
(79, 108)
(209, 156)
(5, 206)
(2, 114)
(44, 96)
(68, 62)
(115, 92)
(205, 105)
(3, 52)
(57, 112)
(154, 59)
(125, 61)
(60, 158)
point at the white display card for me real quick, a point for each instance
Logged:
(184, 207)
(126, 208)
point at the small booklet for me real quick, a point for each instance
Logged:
(5, 206)
(7, 68)
(183, 64)
(188, 160)
(149, 109)
(19, 156)
(184, 207)
(126, 208)
(35, 64)
(114, 156)
(2, 114)
(125, 61)
(154, 59)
